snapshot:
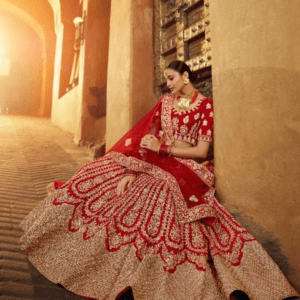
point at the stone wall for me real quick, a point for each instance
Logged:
(130, 86)
(95, 69)
(66, 110)
(70, 111)
(256, 73)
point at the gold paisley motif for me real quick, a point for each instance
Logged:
(186, 119)
(208, 106)
(193, 198)
(127, 142)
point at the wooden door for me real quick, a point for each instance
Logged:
(182, 32)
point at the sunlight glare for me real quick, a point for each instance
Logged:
(4, 63)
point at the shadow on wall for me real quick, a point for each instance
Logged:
(267, 240)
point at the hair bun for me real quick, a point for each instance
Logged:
(193, 76)
(181, 67)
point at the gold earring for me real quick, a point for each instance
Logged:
(166, 73)
(186, 81)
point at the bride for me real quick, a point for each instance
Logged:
(144, 216)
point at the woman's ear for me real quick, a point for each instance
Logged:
(185, 75)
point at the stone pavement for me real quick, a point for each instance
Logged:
(33, 153)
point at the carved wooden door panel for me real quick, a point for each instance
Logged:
(182, 32)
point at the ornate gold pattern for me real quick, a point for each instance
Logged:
(205, 138)
(186, 119)
(187, 111)
(146, 214)
(203, 173)
(175, 122)
(193, 198)
(184, 129)
(145, 237)
(221, 258)
(166, 122)
(127, 142)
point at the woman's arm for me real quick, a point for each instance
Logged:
(199, 151)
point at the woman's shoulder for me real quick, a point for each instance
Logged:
(167, 97)
(206, 102)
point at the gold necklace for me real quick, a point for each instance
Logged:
(184, 101)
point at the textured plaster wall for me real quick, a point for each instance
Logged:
(142, 59)
(96, 61)
(70, 111)
(256, 75)
(130, 90)
(65, 110)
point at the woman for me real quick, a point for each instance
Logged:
(145, 216)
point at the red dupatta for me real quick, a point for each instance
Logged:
(185, 176)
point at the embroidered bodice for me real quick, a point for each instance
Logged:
(195, 124)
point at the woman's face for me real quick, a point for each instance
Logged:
(174, 80)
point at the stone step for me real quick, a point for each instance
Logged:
(13, 192)
(8, 264)
(9, 240)
(16, 203)
(17, 196)
(15, 276)
(9, 226)
(9, 220)
(11, 232)
(12, 255)
(15, 210)
(13, 215)
(14, 288)
(10, 247)
(29, 161)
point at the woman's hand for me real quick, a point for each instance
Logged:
(125, 183)
(150, 142)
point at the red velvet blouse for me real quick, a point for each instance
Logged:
(194, 124)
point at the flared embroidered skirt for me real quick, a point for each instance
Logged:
(95, 243)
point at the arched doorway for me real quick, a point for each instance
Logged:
(21, 87)
(29, 42)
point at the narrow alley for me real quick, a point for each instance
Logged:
(33, 153)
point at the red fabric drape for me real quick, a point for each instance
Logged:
(191, 186)
(129, 145)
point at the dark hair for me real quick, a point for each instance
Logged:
(181, 67)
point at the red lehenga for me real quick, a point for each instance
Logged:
(167, 236)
